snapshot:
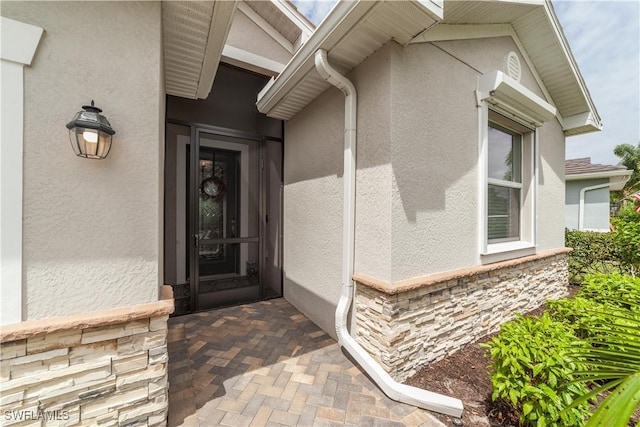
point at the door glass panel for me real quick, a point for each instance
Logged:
(218, 211)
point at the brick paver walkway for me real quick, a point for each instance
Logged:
(266, 364)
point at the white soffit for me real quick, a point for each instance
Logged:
(351, 32)
(194, 35)
(539, 34)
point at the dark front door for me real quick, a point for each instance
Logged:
(225, 214)
(223, 217)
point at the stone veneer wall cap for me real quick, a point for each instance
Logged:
(30, 328)
(432, 279)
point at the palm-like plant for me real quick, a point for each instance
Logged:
(630, 158)
(613, 363)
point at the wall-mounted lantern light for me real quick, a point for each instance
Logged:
(90, 133)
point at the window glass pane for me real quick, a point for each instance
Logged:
(504, 155)
(504, 213)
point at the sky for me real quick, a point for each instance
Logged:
(604, 36)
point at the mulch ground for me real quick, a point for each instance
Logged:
(466, 376)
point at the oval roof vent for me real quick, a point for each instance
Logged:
(512, 66)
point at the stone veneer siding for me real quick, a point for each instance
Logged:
(102, 368)
(412, 323)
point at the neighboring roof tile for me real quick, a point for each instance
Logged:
(583, 165)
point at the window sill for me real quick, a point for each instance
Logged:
(504, 251)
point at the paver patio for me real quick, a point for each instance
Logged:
(267, 364)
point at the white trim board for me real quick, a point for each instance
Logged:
(19, 42)
(250, 61)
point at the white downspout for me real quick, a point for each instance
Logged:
(581, 206)
(396, 391)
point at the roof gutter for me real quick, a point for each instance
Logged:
(604, 174)
(394, 390)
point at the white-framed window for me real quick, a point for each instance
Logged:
(508, 183)
(508, 118)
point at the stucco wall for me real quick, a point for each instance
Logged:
(313, 189)
(485, 55)
(246, 35)
(434, 118)
(417, 172)
(91, 228)
(435, 179)
(596, 213)
(550, 223)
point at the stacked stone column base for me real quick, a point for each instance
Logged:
(104, 368)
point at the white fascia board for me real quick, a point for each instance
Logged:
(342, 18)
(265, 26)
(564, 45)
(294, 16)
(218, 31)
(596, 175)
(250, 61)
(501, 90)
(18, 41)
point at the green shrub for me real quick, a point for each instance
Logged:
(600, 295)
(627, 238)
(615, 252)
(614, 290)
(592, 253)
(533, 371)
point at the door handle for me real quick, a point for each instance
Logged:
(196, 239)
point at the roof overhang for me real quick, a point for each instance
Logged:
(354, 30)
(617, 178)
(535, 29)
(194, 36)
(351, 32)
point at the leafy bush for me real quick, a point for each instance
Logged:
(627, 238)
(533, 371)
(592, 253)
(599, 296)
(615, 290)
